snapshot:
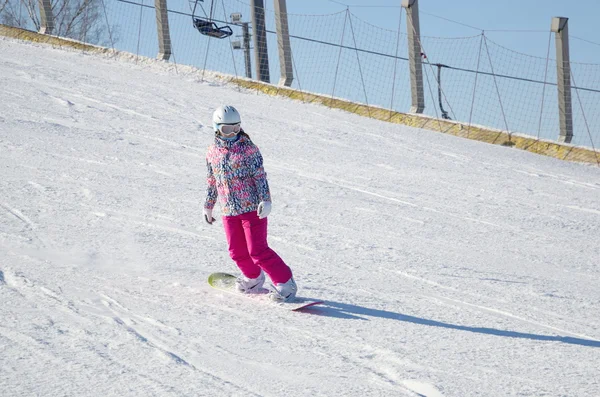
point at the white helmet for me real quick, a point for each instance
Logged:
(225, 115)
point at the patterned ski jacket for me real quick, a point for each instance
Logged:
(236, 176)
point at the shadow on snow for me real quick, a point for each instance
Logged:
(343, 310)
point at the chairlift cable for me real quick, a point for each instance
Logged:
(194, 9)
(212, 11)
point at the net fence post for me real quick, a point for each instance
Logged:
(247, 58)
(283, 42)
(560, 26)
(259, 37)
(162, 27)
(46, 17)
(414, 55)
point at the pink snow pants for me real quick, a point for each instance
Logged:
(247, 239)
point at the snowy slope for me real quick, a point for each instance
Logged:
(449, 267)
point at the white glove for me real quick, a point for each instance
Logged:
(208, 216)
(264, 209)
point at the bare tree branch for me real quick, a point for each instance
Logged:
(3, 5)
(76, 19)
(82, 7)
(59, 16)
(31, 10)
(10, 16)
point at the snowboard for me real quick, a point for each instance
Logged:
(226, 282)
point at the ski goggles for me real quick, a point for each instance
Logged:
(228, 129)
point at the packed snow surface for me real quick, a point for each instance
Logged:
(448, 267)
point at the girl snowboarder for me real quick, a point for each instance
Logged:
(237, 178)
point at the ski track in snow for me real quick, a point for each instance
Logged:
(153, 334)
(19, 215)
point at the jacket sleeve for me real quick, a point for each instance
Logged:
(260, 177)
(211, 187)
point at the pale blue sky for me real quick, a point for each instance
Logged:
(528, 19)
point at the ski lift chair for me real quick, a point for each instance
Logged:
(207, 26)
